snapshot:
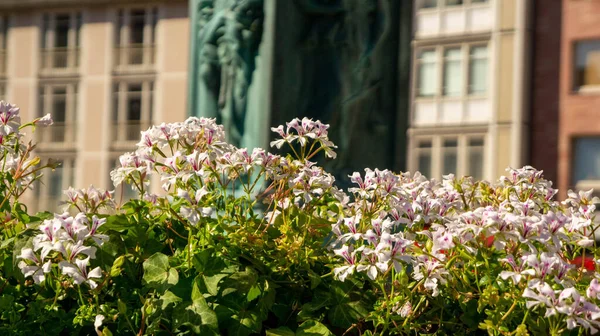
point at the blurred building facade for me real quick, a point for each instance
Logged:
(104, 70)
(470, 91)
(579, 97)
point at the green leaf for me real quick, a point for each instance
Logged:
(158, 274)
(196, 315)
(169, 299)
(206, 263)
(346, 306)
(117, 223)
(244, 323)
(345, 314)
(122, 307)
(212, 283)
(315, 279)
(253, 293)
(281, 331)
(313, 328)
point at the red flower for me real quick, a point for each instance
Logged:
(489, 241)
(588, 263)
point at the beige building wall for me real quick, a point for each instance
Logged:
(94, 149)
(452, 125)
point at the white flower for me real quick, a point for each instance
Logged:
(98, 323)
(79, 272)
(44, 121)
(38, 269)
(432, 271)
(349, 256)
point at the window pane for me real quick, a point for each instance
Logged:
(134, 114)
(587, 63)
(137, 26)
(454, 2)
(55, 186)
(59, 113)
(424, 163)
(476, 163)
(450, 157)
(478, 70)
(120, 25)
(61, 34)
(428, 3)
(59, 109)
(587, 159)
(424, 157)
(427, 73)
(134, 108)
(77, 29)
(476, 158)
(452, 72)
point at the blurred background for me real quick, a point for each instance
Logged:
(468, 87)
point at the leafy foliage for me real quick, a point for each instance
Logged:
(242, 243)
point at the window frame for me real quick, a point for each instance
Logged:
(123, 48)
(440, 71)
(586, 183)
(437, 150)
(49, 52)
(119, 116)
(443, 5)
(575, 87)
(46, 100)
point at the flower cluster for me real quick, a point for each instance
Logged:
(90, 200)
(436, 230)
(68, 239)
(19, 168)
(194, 161)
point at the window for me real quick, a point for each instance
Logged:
(478, 70)
(428, 3)
(450, 156)
(475, 161)
(454, 2)
(424, 157)
(60, 41)
(587, 65)
(457, 62)
(462, 155)
(452, 72)
(135, 37)
(427, 73)
(49, 188)
(587, 160)
(424, 4)
(3, 44)
(132, 110)
(60, 100)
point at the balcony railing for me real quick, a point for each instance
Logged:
(59, 60)
(134, 57)
(58, 136)
(126, 134)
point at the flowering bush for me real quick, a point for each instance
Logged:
(243, 243)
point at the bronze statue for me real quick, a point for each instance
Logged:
(229, 34)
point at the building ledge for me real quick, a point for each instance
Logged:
(28, 4)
